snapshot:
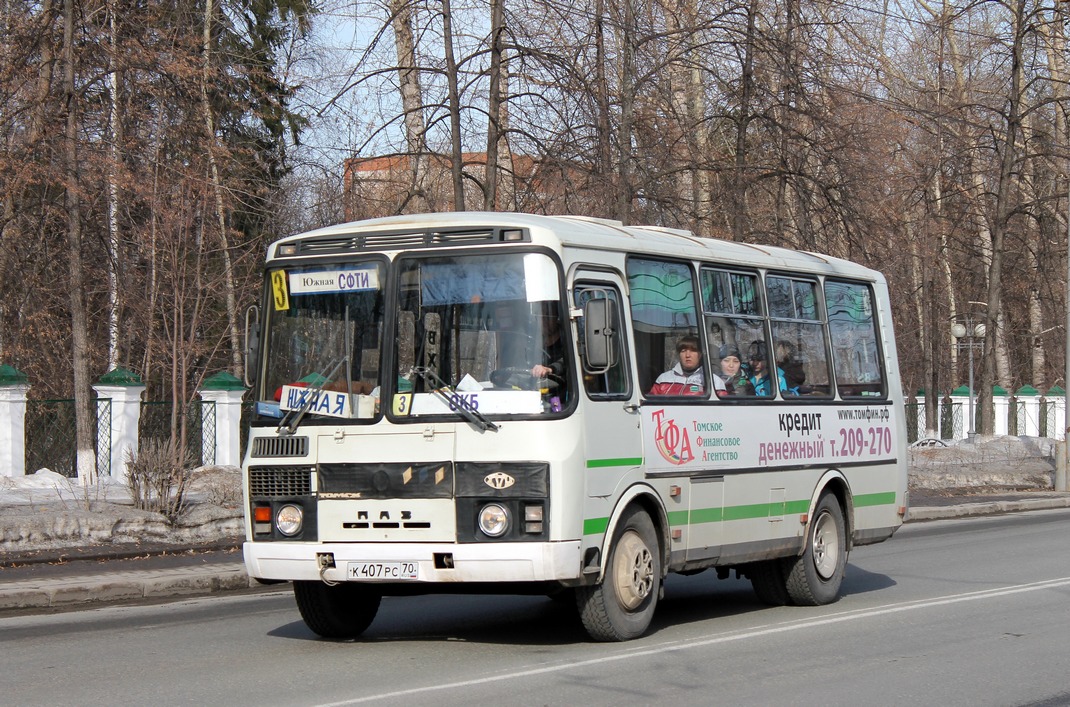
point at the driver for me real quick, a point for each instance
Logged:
(553, 348)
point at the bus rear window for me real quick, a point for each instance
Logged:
(855, 345)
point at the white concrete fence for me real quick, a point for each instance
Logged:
(124, 390)
(1026, 413)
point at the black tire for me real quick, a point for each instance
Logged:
(622, 605)
(814, 578)
(339, 611)
(769, 581)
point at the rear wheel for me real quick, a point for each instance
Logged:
(814, 578)
(622, 605)
(338, 611)
(769, 581)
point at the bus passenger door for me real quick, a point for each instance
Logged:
(612, 438)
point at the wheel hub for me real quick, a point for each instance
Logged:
(633, 571)
(826, 546)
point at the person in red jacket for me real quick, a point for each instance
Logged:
(687, 376)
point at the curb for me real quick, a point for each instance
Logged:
(985, 508)
(100, 589)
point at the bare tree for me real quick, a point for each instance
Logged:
(83, 410)
(456, 149)
(411, 101)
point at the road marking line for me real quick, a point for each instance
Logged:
(725, 638)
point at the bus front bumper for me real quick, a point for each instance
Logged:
(435, 562)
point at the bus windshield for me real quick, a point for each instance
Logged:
(487, 329)
(324, 333)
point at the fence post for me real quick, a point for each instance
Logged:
(226, 392)
(1056, 397)
(13, 389)
(124, 389)
(1001, 410)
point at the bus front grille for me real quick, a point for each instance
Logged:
(280, 447)
(280, 481)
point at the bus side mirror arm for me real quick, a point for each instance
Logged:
(252, 345)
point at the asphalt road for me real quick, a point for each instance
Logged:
(965, 612)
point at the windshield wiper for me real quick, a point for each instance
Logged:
(438, 385)
(313, 394)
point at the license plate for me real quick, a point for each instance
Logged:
(383, 570)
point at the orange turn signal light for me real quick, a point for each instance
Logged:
(262, 514)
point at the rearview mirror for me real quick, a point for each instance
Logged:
(601, 338)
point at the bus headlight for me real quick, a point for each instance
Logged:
(289, 520)
(493, 520)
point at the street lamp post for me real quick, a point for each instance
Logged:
(969, 335)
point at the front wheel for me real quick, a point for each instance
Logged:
(338, 611)
(814, 578)
(622, 605)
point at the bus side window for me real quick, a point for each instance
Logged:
(799, 346)
(663, 316)
(735, 328)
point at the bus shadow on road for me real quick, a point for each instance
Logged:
(465, 618)
(704, 597)
(539, 620)
(860, 581)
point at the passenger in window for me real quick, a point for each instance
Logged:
(735, 380)
(789, 369)
(758, 358)
(687, 376)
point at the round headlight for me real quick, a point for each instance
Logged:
(493, 520)
(289, 520)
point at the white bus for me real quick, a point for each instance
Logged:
(491, 402)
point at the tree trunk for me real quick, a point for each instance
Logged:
(217, 194)
(457, 156)
(604, 151)
(689, 105)
(1053, 31)
(83, 408)
(506, 168)
(1005, 187)
(627, 112)
(739, 188)
(113, 190)
(411, 103)
(494, 104)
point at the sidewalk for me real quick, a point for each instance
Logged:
(105, 575)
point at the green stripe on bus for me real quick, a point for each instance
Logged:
(602, 463)
(755, 510)
(707, 515)
(595, 526)
(677, 517)
(874, 499)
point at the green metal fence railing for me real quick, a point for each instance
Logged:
(200, 421)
